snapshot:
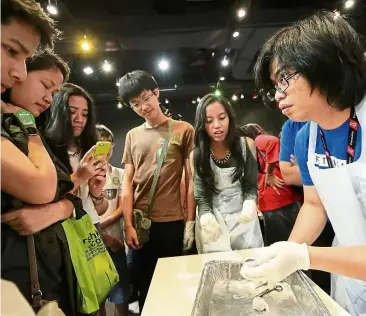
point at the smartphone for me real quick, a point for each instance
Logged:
(102, 148)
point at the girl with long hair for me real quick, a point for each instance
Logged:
(70, 128)
(225, 180)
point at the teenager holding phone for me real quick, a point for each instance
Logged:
(71, 130)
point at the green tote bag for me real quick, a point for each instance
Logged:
(95, 272)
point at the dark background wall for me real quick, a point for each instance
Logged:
(120, 121)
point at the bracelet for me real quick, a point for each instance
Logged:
(100, 197)
(98, 201)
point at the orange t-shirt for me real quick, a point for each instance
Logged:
(142, 149)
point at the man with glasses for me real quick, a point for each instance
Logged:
(168, 232)
(325, 59)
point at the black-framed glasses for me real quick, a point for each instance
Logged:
(144, 100)
(280, 86)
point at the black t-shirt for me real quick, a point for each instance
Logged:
(49, 247)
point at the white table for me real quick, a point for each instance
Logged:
(175, 283)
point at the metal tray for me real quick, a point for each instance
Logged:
(213, 299)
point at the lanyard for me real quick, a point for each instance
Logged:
(352, 134)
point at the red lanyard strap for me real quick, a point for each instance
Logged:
(352, 136)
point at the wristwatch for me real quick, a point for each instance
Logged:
(32, 131)
(28, 121)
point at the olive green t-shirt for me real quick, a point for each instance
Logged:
(142, 149)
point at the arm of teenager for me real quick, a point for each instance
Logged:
(127, 198)
(250, 180)
(249, 183)
(96, 185)
(127, 195)
(290, 172)
(118, 212)
(311, 219)
(312, 216)
(31, 179)
(347, 261)
(271, 151)
(32, 219)
(189, 233)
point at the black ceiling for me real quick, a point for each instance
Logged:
(192, 34)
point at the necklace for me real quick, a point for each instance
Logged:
(75, 154)
(221, 161)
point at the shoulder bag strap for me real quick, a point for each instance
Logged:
(35, 288)
(161, 159)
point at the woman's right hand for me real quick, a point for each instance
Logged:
(89, 166)
(210, 228)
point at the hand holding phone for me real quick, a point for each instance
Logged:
(102, 148)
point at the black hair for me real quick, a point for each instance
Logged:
(202, 143)
(252, 130)
(326, 50)
(32, 13)
(104, 132)
(58, 129)
(43, 60)
(132, 84)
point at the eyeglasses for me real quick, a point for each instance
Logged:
(280, 86)
(144, 100)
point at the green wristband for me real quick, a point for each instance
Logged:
(26, 118)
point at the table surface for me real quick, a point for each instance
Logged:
(175, 282)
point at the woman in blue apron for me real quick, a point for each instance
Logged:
(317, 72)
(225, 181)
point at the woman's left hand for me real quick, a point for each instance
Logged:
(29, 220)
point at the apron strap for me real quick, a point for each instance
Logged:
(312, 141)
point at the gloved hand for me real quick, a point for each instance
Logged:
(248, 212)
(210, 228)
(188, 235)
(274, 263)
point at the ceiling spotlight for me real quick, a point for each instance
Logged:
(234, 97)
(222, 78)
(88, 70)
(236, 34)
(85, 45)
(107, 67)
(198, 99)
(225, 62)
(166, 101)
(217, 92)
(119, 105)
(52, 9)
(213, 54)
(117, 83)
(175, 86)
(194, 101)
(241, 13)
(349, 4)
(163, 65)
(242, 96)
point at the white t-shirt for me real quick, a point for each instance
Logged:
(83, 192)
(113, 190)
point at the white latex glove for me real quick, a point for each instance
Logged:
(274, 263)
(210, 228)
(248, 212)
(188, 235)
